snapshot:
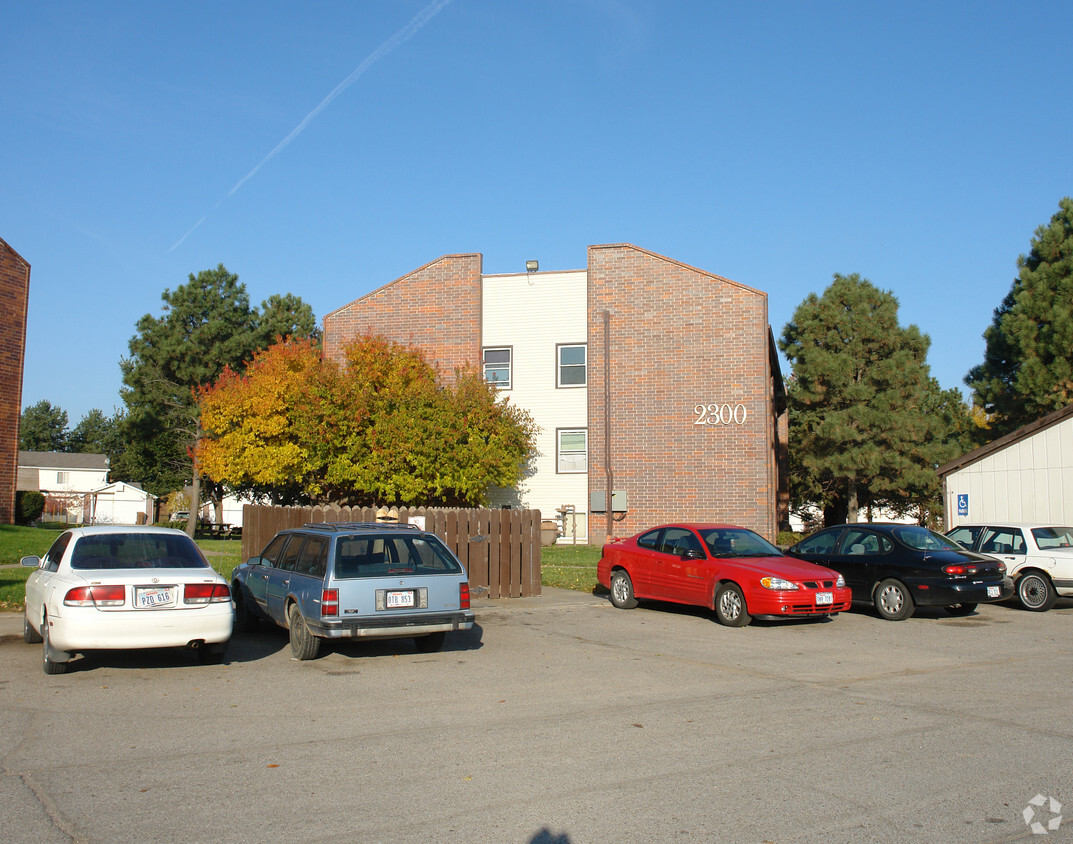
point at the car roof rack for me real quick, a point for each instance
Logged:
(339, 526)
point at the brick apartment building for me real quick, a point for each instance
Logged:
(651, 379)
(14, 297)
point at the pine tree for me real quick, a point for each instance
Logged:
(1028, 361)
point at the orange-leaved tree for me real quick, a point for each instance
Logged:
(379, 429)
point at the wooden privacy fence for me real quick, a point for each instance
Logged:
(500, 549)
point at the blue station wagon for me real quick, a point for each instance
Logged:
(348, 580)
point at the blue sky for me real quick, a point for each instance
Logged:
(326, 148)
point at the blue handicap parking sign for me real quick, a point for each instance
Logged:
(963, 504)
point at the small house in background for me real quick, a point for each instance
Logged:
(1025, 476)
(65, 479)
(119, 503)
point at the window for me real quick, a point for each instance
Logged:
(497, 367)
(63, 478)
(573, 450)
(572, 365)
(858, 542)
(1003, 541)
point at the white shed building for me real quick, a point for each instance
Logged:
(118, 503)
(1025, 476)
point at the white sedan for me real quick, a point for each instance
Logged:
(1039, 557)
(121, 587)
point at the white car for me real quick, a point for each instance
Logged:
(116, 587)
(1039, 557)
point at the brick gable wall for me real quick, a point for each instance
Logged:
(679, 338)
(14, 297)
(436, 307)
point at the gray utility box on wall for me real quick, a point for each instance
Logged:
(598, 501)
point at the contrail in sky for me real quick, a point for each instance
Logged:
(399, 38)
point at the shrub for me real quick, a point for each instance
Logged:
(786, 538)
(29, 505)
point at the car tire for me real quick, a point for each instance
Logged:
(730, 607)
(893, 601)
(50, 665)
(1036, 592)
(622, 590)
(29, 635)
(304, 645)
(431, 643)
(212, 654)
(962, 609)
(245, 620)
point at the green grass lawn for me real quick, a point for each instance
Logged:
(562, 566)
(570, 566)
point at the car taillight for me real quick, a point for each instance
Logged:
(329, 602)
(1001, 567)
(206, 593)
(95, 596)
(463, 596)
(959, 569)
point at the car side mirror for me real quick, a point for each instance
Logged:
(255, 561)
(31, 562)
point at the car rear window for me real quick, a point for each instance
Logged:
(380, 556)
(1053, 537)
(136, 551)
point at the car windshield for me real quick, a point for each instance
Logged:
(923, 539)
(1053, 537)
(737, 542)
(136, 551)
(379, 556)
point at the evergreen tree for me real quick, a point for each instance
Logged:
(864, 426)
(43, 427)
(207, 325)
(1027, 370)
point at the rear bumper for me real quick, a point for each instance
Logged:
(87, 628)
(393, 626)
(946, 595)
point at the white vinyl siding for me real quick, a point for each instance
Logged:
(534, 314)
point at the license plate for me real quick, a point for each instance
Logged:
(824, 598)
(400, 599)
(153, 596)
(993, 592)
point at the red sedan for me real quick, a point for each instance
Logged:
(731, 569)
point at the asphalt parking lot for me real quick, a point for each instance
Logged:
(558, 719)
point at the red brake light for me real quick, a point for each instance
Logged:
(463, 596)
(206, 593)
(96, 596)
(329, 602)
(960, 569)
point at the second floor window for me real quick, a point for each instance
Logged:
(497, 367)
(572, 365)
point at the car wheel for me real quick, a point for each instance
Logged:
(893, 601)
(50, 665)
(304, 645)
(29, 635)
(962, 609)
(1036, 592)
(431, 643)
(622, 590)
(730, 606)
(245, 620)
(212, 654)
